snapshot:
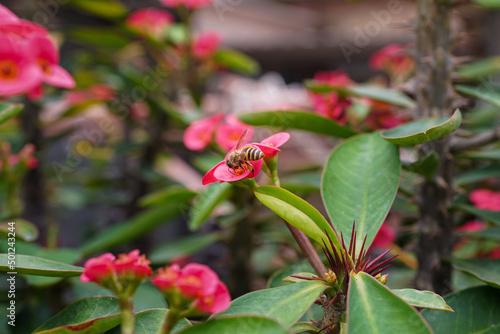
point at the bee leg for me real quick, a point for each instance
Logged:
(250, 167)
(230, 171)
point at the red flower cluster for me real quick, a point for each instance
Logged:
(23, 160)
(191, 4)
(96, 92)
(200, 133)
(28, 57)
(485, 199)
(268, 146)
(150, 21)
(394, 61)
(383, 116)
(205, 45)
(198, 286)
(106, 267)
(332, 105)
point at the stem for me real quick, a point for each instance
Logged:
(170, 321)
(434, 97)
(128, 319)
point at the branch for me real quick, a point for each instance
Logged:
(460, 144)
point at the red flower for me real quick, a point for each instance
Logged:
(206, 44)
(485, 199)
(383, 116)
(197, 280)
(166, 277)
(199, 133)
(216, 302)
(393, 60)
(98, 269)
(472, 226)
(269, 145)
(228, 133)
(385, 236)
(150, 21)
(191, 4)
(222, 173)
(132, 264)
(6, 16)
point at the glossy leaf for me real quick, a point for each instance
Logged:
(493, 154)
(285, 304)
(487, 270)
(297, 213)
(298, 120)
(422, 299)
(24, 230)
(236, 61)
(424, 130)
(205, 202)
(373, 308)
(241, 325)
(492, 216)
(488, 4)
(31, 265)
(133, 228)
(487, 94)
(9, 110)
(490, 234)
(87, 315)
(427, 166)
(151, 321)
(476, 311)
(182, 247)
(166, 195)
(276, 278)
(302, 327)
(99, 37)
(480, 68)
(360, 182)
(108, 9)
(477, 174)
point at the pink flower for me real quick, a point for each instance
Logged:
(472, 226)
(199, 133)
(19, 72)
(229, 133)
(393, 60)
(6, 16)
(98, 269)
(197, 280)
(485, 199)
(332, 105)
(216, 302)
(101, 92)
(385, 236)
(22, 29)
(222, 173)
(47, 57)
(269, 145)
(150, 21)
(132, 264)
(166, 277)
(191, 4)
(206, 44)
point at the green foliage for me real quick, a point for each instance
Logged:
(151, 321)
(32, 265)
(108, 9)
(25, 230)
(8, 111)
(487, 94)
(205, 202)
(422, 299)
(487, 270)
(360, 181)
(427, 166)
(244, 325)
(236, 61)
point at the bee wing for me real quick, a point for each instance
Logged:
(241, 141)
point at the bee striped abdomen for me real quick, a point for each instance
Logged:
(252, 154)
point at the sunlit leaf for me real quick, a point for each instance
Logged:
(236, 61)
(9, 110)
(109, 9)
(422, 299)
(31, 265)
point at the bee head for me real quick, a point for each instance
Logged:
(230, 165)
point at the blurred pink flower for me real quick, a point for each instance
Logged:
(221, 172)
(166, 278)
(269, 146)
(485, 199)
(132, 264)
(98, 269)
(472, 226)
(206, 44)
(6, 16)
(101, 92)
(19, 72)
(191, 4)
(150, 21)
(22, 29)
(332, 105)
(47, 57)
(385, 237)
(393, 60)
(199, 134)
(197, 280)
(383, 116)
(215, 302)
(228, 133)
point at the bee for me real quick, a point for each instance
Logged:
(238, 159)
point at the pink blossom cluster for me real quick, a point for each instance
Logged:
(97, 92)
(268, 146)
(227, 131)
(205, 45)
(485, 199)
(25, 159)
(191, 4)
(150, 21)
(393, 60)
(28, 58)
(198, 286)
(384, 116)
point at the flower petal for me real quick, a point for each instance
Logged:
(268, 151)
(59, 77)
(209, 176)
(277, 139)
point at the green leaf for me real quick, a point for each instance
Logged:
(240, 325)
(426, 166)
(24, 230)
(487, 270)
(422, 299)
(487, 94)
(177, 33)
(277, 277)
(373, 308)
(205, 202)
(476, 311)
(424, 130)
(491, 234)
(477, 174)
(31, 265)
(132, 228)
(151, 321)
(297, 212)
(236, 61)
(360, 182)
(108, 9)
(182, 247)
(99, 37)
(488, 4)
(9, 110)
(286, 304)
(166, 195)
(88, 315)
(483, 67)
(483, 155)
(297, 119)
(492, 216)
(373, 92)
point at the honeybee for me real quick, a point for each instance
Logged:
(238, 159)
